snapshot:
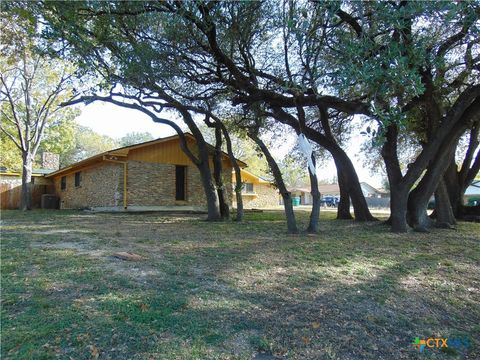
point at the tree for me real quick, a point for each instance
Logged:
(416, 65)
(142, 80)
(248, 32)
(294, 171)
(85, 143)
(458, 178)
(31, 88)
(135, 138)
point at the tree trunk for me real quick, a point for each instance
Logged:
(453, 188)
(398, 209)
(398, 190)
(343, 210)
(352, 184)
(419, 197)
(26, 197)
(313, 225)
(217, 174)
(277, 174)
(443, 209)
(417, 216)
(238, 175)
(211, 195)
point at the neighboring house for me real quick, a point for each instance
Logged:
(303, 194)
(11, 183)
(329, 190)
(472, 194)
(370, 191)
(155, 175)
(256, 192)
(333, 190)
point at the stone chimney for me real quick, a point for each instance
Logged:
(50, 161)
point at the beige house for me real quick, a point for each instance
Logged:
(151, 176)
(256, 192)
(155, 175)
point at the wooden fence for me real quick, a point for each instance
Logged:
(10, 193)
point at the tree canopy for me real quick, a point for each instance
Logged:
(408, 69)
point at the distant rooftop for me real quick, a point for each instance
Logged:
(4, 170)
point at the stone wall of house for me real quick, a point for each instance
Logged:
(148, 184)
(153, 184)
(266, 196)
(100, 186)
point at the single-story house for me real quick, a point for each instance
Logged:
(303, 194)
(370, 191)
(154, 175)
(256, 191)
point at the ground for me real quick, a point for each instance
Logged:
(233, 291)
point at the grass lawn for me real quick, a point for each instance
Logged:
(229, 291)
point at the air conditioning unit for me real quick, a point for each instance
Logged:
(49, 201)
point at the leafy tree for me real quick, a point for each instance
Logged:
(86, 143)
(294, 171)
(108, 43)
(415, 63)
(31, 88)
(135, 138)
(408, 66)
(10, 154)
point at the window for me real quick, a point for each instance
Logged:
(63, 183)
(180, 182)
(78, 178)
(247, 188)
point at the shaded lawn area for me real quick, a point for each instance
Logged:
(228, 290)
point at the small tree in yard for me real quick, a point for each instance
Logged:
(31, 89)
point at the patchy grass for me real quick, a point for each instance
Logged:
(228, 290)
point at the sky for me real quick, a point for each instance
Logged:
(114, 121)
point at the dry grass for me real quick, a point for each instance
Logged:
(228, 290)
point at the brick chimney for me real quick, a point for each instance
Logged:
(50, 161)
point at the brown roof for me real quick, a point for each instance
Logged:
(119, 151)
(329, 189)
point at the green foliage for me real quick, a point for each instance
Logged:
(294, 171)
(10, 155)
(32, 88)
(86, 143)
(134, 138)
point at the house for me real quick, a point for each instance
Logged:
(155, 175)
(256, 191)
(303, 194)
(151, 176)
(333, 190)
(329, 190)
(370, 191)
